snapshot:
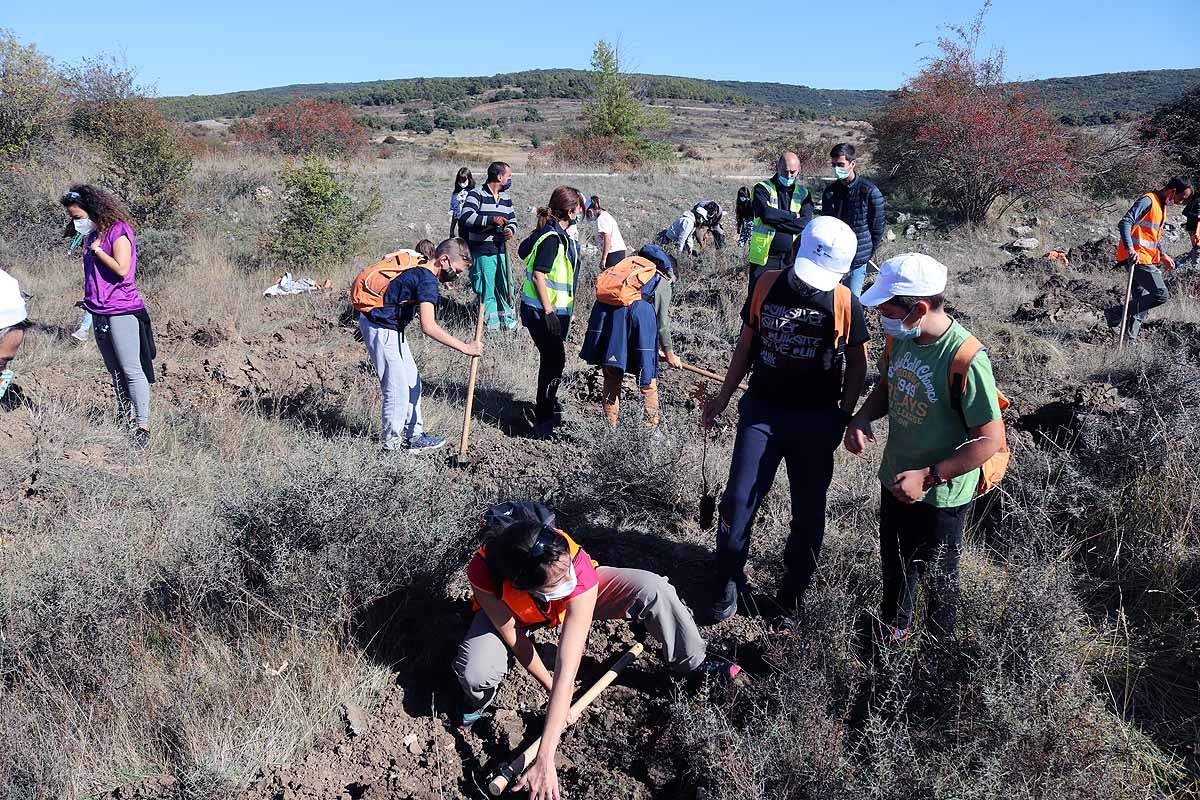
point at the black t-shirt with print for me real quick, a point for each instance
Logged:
(795, 362)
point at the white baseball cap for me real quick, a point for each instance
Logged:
(827, 247)
(12, 304)
(906, 275)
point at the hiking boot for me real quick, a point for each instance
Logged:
(724, 601)
(469, 718)
(140, 438)
(425, 443)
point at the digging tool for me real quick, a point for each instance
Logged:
(708, 499)
(710, 375)
(517, 766)
(461, 459)
(1125, 307)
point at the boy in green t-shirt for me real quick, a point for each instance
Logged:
(937, 440)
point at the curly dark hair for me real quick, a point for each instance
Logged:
(523, 553)
(102, 206)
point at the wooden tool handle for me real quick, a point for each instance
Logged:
(705, 373)
(518, 765)
(466, 428)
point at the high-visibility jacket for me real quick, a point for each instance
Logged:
(1146, 233)
(762, 234)
(527, 611)
(560, 280)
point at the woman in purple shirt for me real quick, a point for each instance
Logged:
(122, 325)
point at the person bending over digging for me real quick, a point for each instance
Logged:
(13, 323)
(528, 575)
(411, 293)
(936, 389)
(630, 321)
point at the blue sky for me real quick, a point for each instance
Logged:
(225, 45)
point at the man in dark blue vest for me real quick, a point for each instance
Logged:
(857, 202)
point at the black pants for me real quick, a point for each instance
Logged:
(805, 439)
(614, 257)
(554, 359)
(916, 542)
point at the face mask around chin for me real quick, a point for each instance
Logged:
(895, 328)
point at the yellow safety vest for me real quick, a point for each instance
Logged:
(560, 280)
(762, 234)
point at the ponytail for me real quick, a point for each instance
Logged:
(543, 216)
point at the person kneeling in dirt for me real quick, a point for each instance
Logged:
(630, 321)
(941, 430)
(529, 574)
(412, 293)
(13, 323)
(805, 335)
(684, 234)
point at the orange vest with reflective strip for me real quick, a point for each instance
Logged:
(525, 609)
(1146, 233)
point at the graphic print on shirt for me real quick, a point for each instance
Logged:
(792, 338)
(912, 390)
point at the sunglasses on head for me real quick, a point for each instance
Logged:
(72, 197)
(546, 537)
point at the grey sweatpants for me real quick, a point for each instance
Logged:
(1149, 292)
(634, 594)
(120, 343)
(398, 380)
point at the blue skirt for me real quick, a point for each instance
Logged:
(623, 337)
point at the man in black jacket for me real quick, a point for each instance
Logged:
(857, 202)
(782, 208)
(1191, 224)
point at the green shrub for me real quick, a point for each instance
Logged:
(158, 250)
(324, 221)
(31, 98)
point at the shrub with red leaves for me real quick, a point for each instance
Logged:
(958, 134)
(306, 127)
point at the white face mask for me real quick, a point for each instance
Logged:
(462, 184)
(564, 589)
(84, 226)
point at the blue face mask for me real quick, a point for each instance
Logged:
(785, 181)
(841, 173)
(895, 328)
(506, 185)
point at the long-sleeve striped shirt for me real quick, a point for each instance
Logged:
(475, 220)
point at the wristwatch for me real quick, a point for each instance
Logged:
(934, 478)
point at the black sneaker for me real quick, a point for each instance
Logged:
(724, 601)
(721, 669)
(140, 438)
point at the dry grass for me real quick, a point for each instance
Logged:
(147, 600)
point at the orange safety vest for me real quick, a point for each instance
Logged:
(1146, 233)
(525, 609)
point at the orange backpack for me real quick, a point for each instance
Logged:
(622, 284)
(366, 293)
(992, 471)
(841, 306)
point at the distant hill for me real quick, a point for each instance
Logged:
(1080, 100)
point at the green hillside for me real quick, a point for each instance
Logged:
(1083, 99)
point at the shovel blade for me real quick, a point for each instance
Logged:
(708, 512)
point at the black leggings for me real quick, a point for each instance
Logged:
(614, 257)
(554, 359)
